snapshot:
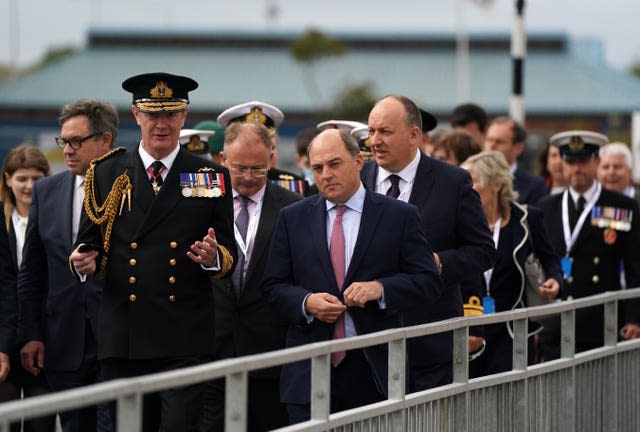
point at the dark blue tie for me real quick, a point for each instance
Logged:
(394, 190)
(242, 222)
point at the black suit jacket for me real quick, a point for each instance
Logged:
(530, 187)
(456, 228)
(390, 248)
(54, 306)
(158, 303)
(8, 297)
(247, 324)
(596, 264)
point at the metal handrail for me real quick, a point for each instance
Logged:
(128, 392)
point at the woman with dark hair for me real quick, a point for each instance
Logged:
(23, 166)
(518, 231)
(551, 168)
(455, 147)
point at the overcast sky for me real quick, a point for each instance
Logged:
(30, 27)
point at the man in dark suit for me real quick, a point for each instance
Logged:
(593, 229)
(168, 228)
(245, 323)
(507, 136)
(58, 316)
(370, 261)
(452, 218)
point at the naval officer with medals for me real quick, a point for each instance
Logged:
(592, 229)
(159, 227)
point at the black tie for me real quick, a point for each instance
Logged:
(242, 222)
(573, 216)
(156, 177)
(394, 190)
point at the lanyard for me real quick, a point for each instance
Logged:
(570, 237)
(251, 230)
(496, 239)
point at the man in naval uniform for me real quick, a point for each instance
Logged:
(271, 117)
(159, 226)
(592, 229)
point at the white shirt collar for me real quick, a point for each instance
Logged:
(356, 202)
(256, 197)
(513, 168)
(588, 195)
(79, 181)
(408, 173)
(167, 161)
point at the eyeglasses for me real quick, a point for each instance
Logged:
(75, 143)
(254, 172)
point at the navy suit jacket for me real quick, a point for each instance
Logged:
(530, 187)
(456, 228)
(54, 307)
(246, 324)
(391, 248)
(8, 299)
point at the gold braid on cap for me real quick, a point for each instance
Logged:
(105, 215)
(226, 264)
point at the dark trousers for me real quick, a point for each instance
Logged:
(173, 410)
(264, 410)
(498, 354)
(430, 361)
(20, 380)
(352, 386)
(93, 418)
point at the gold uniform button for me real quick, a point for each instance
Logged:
(596, 260)
(173, 245)
(133, 245)
(172, 298)
(133, 262)
(132, 280)
(570, 279)
(132, 298)
(595, 279)
(172, 280)
(172, 262)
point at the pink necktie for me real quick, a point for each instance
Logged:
(336, 250)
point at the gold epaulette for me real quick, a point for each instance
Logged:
(105, 214)
(226, 264)
(474, 307)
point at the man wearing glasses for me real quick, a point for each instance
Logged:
(245, 323)
(58, 315)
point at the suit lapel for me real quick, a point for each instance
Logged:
(317, 225)
(371, 214)
(65, 208)
(423, 182)
(268, 215)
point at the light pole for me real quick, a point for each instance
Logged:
(518, 52)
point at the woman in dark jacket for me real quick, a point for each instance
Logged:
(23, 166)
(518, 231)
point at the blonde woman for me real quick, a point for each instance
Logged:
(23, 166)
(517, 232)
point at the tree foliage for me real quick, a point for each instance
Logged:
(354, 102)
(314, 45)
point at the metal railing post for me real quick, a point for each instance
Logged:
(611, 386)
(235, 416)
(397, 380)
(320, 387)
(568, 350)
(461, 376)
(129, 417)
(520, 362)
